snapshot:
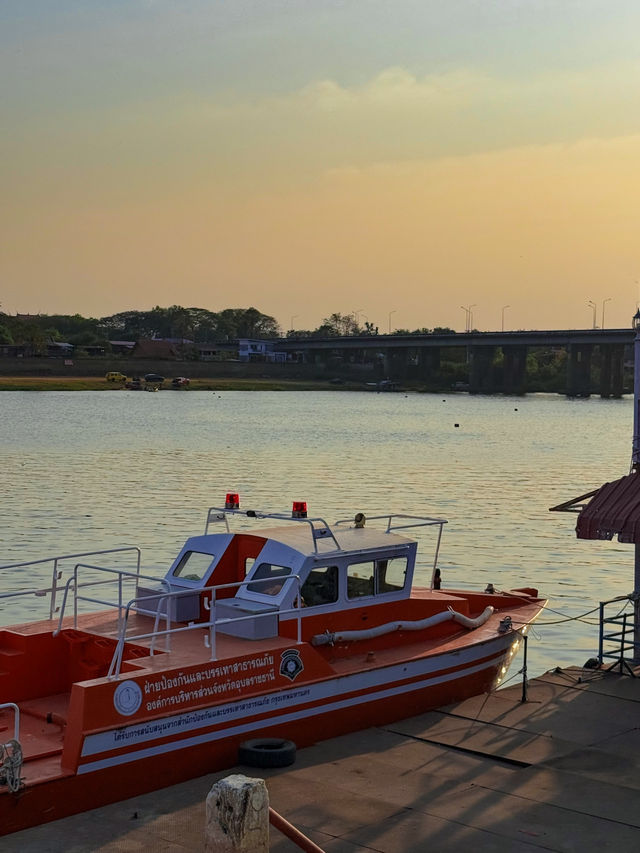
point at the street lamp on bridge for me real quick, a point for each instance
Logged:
(604, 301)
(469, 313)
(592, 305)
(504, 308)
(390, 313)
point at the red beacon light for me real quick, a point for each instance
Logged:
(232, 501)
(299, 509)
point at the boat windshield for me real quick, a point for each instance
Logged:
(193, 565)
(268, 579)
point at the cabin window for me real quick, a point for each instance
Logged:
(321, 587)
(360, 579)
(390, 575)
(193, 566)
(268, 579)
(376, 577)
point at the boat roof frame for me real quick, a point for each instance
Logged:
(318, 527)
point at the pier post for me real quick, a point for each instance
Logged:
(237, 816)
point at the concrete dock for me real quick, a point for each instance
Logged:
(560, 772)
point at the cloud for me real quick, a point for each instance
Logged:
(245, 144)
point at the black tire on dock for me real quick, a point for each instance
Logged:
(267, 752)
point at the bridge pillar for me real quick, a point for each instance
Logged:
(579, 370)
(481, 374)
(514, 379)
(396, 361)
(611, 367)
(428, 362)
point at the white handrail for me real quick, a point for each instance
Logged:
(120, 575)
(421, 521)
(210, 626)
(57, 576)
(318, 526)
(16, 718)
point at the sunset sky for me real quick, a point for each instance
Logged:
(396, 158)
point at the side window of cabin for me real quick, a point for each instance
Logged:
(268, 579)
(390, 575)
(321, 587)
(376, 577)
(360, 579)
(193, 565)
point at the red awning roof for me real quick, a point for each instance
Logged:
(614, 510)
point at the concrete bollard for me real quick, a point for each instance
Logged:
(237, 816)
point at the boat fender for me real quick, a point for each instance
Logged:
(267, 752)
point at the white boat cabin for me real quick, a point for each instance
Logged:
(253, 578)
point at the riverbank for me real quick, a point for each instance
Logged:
(99, 383)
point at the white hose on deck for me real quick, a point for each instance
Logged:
(388, 628)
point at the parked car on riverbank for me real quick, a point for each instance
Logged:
(115, 376)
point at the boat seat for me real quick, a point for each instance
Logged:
(321, 587)
(359, 587)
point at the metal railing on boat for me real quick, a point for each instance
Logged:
(121, 577)
(56, 577)
(11, 753)
(160, 602)
(209, 627)
(318, 527)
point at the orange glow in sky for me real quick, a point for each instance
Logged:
(400, 160)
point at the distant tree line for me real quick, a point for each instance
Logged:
(347, 325)
(177, 323)
(193, 324)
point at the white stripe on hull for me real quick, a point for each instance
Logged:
(369, 681)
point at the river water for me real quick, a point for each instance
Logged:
(90, 470)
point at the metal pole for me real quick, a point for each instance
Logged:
(524, 670)
(636, 607)
(635, 453)
(635, 465)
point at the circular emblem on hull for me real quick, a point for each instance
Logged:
(290, 664)
(127, 698)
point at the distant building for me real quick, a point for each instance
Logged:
(121, 347)
(14, 350)
(146, 348)
(57, 348)
(214, 351)
(250, 349)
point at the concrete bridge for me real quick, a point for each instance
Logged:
(418, 357)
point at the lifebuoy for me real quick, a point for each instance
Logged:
(267, 752)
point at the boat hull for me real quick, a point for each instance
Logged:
(126, 760)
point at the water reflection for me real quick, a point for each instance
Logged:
(85, 469)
